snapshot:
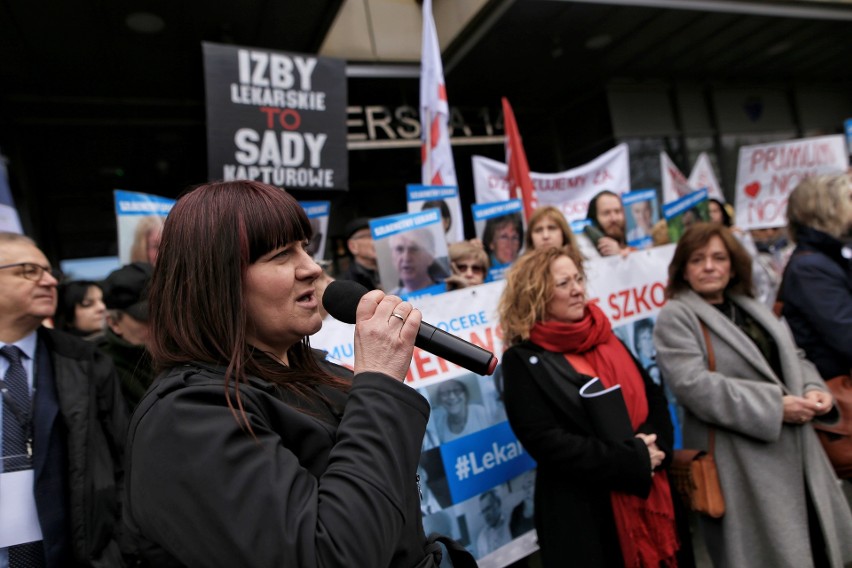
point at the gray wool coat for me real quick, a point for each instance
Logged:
(765, 466)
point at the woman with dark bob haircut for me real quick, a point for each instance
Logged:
(80, 309)
(246, 451)
(783, 504)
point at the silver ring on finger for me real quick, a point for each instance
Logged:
(396, 315)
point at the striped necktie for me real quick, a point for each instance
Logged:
(17, 426)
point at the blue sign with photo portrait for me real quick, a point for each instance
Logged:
(640, 208)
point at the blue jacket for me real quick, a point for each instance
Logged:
(817, 297)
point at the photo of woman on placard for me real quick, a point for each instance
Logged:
(502, 238)
(457, 414)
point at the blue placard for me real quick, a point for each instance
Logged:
(686, 202)
(384, 227)
(132, 203)
(315, 209)
(433, 290)
(640, 212)
(848, 125)
(638, 195)
(5, 192)
(483, 460)
(419, 192)
(580, 224)
(484, 211)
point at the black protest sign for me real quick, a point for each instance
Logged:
(276, 117)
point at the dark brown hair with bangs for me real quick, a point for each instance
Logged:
(697, 236)
(198, 310)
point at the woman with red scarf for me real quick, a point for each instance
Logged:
(597, 502)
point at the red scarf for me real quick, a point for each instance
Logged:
(646, 527)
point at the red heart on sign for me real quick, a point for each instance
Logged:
(753, 189)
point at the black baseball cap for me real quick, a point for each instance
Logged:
(126, 289)
(355, 225)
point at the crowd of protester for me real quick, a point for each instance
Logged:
(247, 421)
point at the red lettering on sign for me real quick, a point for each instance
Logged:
(488, 344)
(602, 176)
(766, 210)
(288, 118)
(639, 299)
(636, 301)
(421, 360)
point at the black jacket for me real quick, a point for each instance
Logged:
(817, 297)
(367, 278)
(132, 363)
(576, 470)
(325, 482)
(88, 432)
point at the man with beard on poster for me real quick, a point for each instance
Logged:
(606, 214)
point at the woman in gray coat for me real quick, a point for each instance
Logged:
(784, 505)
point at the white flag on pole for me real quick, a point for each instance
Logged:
(436, 154)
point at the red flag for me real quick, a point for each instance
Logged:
(518, 175)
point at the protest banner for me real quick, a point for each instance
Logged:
(276, 117)
(682, 213)
(702, 176)
(317, 212)
(569, 191)
(458, 468)
(139, 219)
(500, 227)
(443, 197)
(640, 213)
(9, 220)
(411, 253)
(674, 183)
(768, 173)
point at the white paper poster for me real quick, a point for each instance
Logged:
(768, 173)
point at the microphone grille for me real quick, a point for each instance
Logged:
(341, 298)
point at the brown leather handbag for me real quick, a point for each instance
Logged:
(693, 473)
(836, 435)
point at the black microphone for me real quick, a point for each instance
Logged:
(341, 298)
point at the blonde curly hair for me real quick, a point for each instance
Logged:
(529, 288)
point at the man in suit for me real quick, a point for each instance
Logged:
(63, 426)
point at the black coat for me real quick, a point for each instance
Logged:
(576, 470)
(80, 420)
(817, 297)
(325, 483)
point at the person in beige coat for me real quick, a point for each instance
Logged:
(784, 507)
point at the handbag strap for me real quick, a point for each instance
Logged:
(711, 366)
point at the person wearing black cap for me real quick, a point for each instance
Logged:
(126, 335)
(359, 241)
